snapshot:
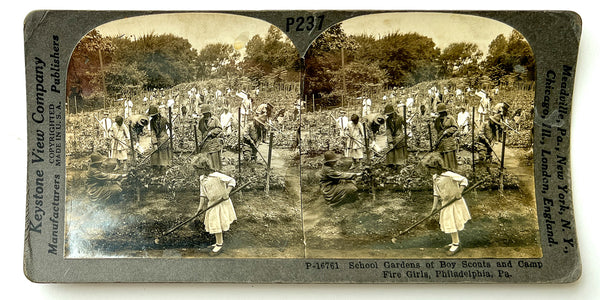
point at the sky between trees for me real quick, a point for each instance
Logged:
(201, 29)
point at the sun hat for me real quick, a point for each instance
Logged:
(330, 156)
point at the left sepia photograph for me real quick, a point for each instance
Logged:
(182, 135)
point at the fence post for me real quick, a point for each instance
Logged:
(502, 162)
(269, 162)
(473, 142)
(369, 165)
(195, 139)
(171, 133)
(240, 140)
(430, 142)
(405, 128)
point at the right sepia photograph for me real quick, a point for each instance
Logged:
(417, 139)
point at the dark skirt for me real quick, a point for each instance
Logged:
(397, 156)
(161, 157)
(214, 160)
(338, 194)
(449, 160)
(108, 192)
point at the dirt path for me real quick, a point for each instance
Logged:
(280, 159)
(311, 219)
(515, 164)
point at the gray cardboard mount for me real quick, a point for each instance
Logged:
(554, 37)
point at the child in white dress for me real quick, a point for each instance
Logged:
(214, 187)
(448, 186)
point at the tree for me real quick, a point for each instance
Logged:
(522, 55)
(333, 39)
(84, 75)
(277, 75)
(273, 54)
(324, 58)
(460, 59)
(121, 78)
(367, 49)
(497, 48)
(407, 58)
(498, 62)
(165, 59)
(509, 56)
(359, 78)
(217, 60)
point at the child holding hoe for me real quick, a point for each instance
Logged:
(448, 186)
(214, 187)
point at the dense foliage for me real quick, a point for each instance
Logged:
(117, 67)
(338, 67)
(339, 64)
